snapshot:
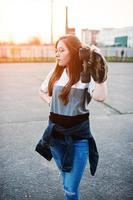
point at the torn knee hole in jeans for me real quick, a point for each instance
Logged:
(69, 193)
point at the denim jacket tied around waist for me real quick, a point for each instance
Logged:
(82, 130)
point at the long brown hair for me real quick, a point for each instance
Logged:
(75, 67)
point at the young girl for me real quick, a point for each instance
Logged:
(68, 138)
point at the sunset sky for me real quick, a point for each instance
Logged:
(22, 19)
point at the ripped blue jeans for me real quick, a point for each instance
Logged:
(71, 180)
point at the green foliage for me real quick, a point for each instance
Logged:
(52, 59)
(118, 59)
(30, 60)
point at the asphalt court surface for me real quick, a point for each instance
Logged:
(25, 174)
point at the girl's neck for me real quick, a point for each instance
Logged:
(67, 71)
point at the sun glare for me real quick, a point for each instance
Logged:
(21, 20)
(25, 20)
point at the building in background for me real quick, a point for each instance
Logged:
(115, 37)
(108, 37)
(89, 36)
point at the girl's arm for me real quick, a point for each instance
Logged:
(43, 90)
(100, 91)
